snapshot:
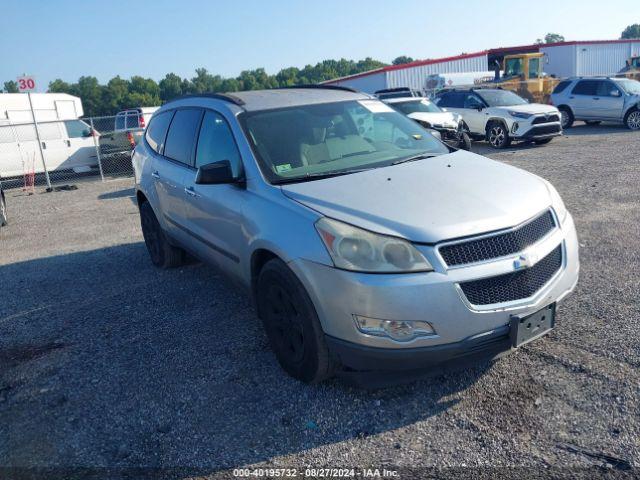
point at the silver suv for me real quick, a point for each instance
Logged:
(598, 99)
(369, 248)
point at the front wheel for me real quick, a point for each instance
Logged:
(632, 120)
(292, 325)
(498, 136)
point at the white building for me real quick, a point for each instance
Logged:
(563, 59)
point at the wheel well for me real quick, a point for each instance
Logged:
(258, 260)
(628, 112)
(140, 197)
(495, 120)
(565, 107)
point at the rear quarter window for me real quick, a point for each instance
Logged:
(180, 141)
(562, 86)
(157, 131)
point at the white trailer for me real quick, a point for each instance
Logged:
(66, 141)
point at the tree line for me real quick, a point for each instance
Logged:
(120, 93)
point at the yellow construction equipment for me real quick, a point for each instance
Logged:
(523, 74)
(631, 69)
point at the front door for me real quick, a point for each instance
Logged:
(610, 101)
(214, 212)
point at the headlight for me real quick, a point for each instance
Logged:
(353, 248)
(519, 114)
(556, 202)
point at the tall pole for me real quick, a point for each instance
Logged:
(35, 124)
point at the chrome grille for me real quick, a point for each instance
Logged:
(513, 286)
(498, 245)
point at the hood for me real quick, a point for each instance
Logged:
(435, 118)
(429, 200)
(532, 108)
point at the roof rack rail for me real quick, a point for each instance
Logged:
(227, 97)
(320, 86)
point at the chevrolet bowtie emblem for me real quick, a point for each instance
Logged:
(526, 260)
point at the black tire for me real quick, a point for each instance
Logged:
(162, 253)
(544, 141)
(632, 119)
(566, 117)
(464, 142)
(498, 135)
(3, 212)
(291, 323)
(592, 122)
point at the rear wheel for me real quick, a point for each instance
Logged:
(498, 135)
(592, 122)
(162, 253)
(291, 324)
(566, 117)
(3, 212)
(632, 120)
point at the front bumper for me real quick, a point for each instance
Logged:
(434, 297)
(538, 132)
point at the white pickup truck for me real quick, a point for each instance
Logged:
(121, 134)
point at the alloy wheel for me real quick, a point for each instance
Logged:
(497, 136)
(633, 120)
(564, 118)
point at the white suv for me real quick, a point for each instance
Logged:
(501, 116)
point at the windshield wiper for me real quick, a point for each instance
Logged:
(422, 156)
(318, 176)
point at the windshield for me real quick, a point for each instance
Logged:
(632, 87)
(501, 98)
(312, 141)
(424, 106)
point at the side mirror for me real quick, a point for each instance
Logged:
(615, 93)
(215, 173)
(479, 107)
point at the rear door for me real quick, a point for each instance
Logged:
(215, 211)
(170, 169)
(11, 161)
(582, 99)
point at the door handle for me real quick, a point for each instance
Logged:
(596, 98)
(44, 146)
(572, 97)
(190, 191)
(155, 174)
(68, 143)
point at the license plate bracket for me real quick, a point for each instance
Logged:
(525, 328)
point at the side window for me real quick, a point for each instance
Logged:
(561, 86)
(182, 135)
(132, 120)
(216, 143)
(452, 100)
(534, 66)
(607, 89)
(157, 131)
(472, 101)
(585, 87)
(120, 121)
(26, 133)
(77, 129)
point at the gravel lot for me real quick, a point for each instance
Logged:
(106, 362)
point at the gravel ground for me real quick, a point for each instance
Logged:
(108, 363)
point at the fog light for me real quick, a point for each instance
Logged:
(399, 330)
(514, 127)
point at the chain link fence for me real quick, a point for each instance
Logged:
(57, 153)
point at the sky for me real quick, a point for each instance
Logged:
(70, 38)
